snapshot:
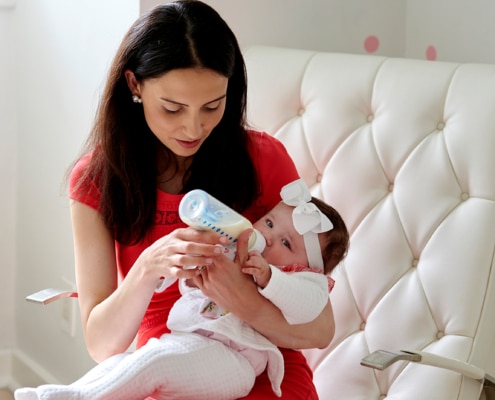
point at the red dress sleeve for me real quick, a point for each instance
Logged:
(81, 188)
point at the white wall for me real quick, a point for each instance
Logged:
(461, 31)
(456, 30)
(63, 49)
(331, 25)
(8, 152)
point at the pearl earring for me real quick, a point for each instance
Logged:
(136, 99)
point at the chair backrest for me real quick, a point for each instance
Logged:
(405, 150)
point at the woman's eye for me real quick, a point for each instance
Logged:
(269, 223)
(211, 108)
(286, 243)
(172, 110)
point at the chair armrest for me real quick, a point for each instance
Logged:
(46, 296)
(381, 359)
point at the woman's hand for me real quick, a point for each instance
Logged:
(224, 283)
(111, 313)
(177, 255)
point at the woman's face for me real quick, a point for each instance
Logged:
(182, 106)
(284, 246)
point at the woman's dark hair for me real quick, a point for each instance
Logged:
(180, 34)
(337, 239)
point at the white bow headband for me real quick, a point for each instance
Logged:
(308, 220)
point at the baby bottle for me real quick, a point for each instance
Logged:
(202, 211)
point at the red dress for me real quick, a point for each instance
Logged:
(275, 169)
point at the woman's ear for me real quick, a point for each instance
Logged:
(132, 82)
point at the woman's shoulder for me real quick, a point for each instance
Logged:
(80, 173)
(82, 188)
(274, 167)
(265, 143)
(79, 169)
(268, 151)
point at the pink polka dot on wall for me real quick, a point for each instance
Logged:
(371, 44)
(431, 53)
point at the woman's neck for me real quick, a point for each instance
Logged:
(171, 177)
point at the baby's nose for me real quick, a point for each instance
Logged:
(268, 238)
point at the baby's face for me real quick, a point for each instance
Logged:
(284, 246)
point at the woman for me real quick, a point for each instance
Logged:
(172, 119)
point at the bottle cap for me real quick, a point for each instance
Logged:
(259, 241)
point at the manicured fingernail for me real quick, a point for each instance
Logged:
(208, 261)
(218, 249)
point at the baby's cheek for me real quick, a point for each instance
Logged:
(270, 255)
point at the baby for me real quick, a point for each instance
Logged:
(210, 353)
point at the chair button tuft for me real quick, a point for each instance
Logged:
(464, 196)
(301, 111)
(441, 126)
(370, 118)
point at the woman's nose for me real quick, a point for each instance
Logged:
(193, 127)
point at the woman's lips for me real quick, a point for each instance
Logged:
(187, 144)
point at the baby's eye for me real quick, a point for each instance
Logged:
(286, 243)
(269, 223)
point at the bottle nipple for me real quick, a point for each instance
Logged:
(259, 242)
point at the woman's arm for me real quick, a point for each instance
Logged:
(225, 284)
(110, 317)
(315, 334)
(110, 313)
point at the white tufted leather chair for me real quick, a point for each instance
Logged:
(405, 150)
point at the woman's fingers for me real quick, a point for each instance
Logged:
(242, 246)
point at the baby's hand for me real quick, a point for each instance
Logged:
(257, 266)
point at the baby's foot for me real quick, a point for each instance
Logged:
(25, 394)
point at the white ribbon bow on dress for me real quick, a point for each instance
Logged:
(308, 220)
